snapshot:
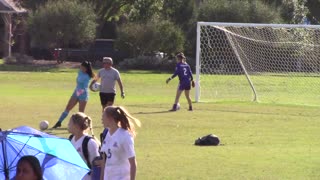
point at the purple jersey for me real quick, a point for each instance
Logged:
(183, 71)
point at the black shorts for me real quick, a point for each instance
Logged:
(106, 97)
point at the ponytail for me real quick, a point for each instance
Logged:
(91, 131)
(88, 66)
(84, 122)
(122, 117)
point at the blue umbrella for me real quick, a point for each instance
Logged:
(57, 156)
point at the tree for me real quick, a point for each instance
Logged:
(180, 12)
(107, 11)
(299, 10)
(141, 38)
(249, 11)
(30, 4)
(144, 10)
(70, 22)
(314, 13)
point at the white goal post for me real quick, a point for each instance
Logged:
(272, 63)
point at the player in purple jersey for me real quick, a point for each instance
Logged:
(183, 71)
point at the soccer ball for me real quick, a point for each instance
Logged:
(96, 87)
(43, 125)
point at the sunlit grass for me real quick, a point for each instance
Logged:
(258, 140)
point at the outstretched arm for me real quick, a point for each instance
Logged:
(176, 72)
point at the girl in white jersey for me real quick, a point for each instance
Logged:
(118, 146)
(78, 125)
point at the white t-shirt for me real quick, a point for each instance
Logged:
(118, 147)
(93, 150)
(108, 79)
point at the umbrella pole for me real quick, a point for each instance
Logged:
(6, 169)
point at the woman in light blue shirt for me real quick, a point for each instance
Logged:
(81, 93)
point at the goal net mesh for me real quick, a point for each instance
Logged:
(282, 63)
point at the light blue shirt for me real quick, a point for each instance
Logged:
(83, 80)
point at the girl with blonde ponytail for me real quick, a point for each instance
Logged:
(118, 145)
(78, 126)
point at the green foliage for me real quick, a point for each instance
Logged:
(180, 12)
(314, 13)
(145, 10)
(299, 10)
(70, 22)
(108, 9)
(148, 63)
(30, 4)
(140, 38)
(238, 11)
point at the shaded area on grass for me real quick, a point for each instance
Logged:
(39, 66)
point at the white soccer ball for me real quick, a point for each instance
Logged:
(96, 86)
(43, 125)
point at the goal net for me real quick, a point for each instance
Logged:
(269, 63)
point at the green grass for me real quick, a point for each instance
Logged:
(294, 90)
(258, 141)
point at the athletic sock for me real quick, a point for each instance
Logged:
(63, 116)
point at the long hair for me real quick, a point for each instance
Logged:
(122, 116)
(34, 163)
(88, 66)
(84, 122)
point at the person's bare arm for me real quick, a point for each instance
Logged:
(121, 87)
(133, 168)
(102, 165)
(95, 79)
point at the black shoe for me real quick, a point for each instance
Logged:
(190, 108)
(175, 107)
(58, 124)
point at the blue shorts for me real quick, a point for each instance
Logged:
(184, 86)
(81, 96)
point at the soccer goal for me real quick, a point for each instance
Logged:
(271, 63)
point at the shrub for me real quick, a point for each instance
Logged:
(147, 63)
(153, 63)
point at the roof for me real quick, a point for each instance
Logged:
(9, 6)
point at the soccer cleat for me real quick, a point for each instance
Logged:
(190, 108)
(175, 107)
(58, 124)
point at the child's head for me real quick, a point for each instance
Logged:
(180, 57)
(79, 122)
(119, 116)
(28, 168)
(86, 67)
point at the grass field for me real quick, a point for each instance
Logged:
(277, 89)
(258, 141)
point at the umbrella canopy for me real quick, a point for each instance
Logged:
(57, 156)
